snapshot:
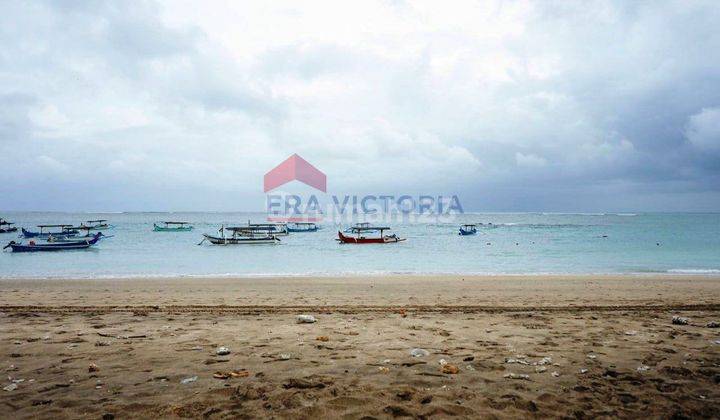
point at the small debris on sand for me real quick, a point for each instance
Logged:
(189, 380)
(239, 373)
(449, 369)
(419, 352)
(302, 384)
(306, 319)
(517, 376)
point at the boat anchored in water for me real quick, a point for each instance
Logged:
(240, 236)
(468, 229)
(31, 246)
(6, 227)
(95, 224)
(302, 227)
(357, 236)
(86, 236)
(65, 231)
(363, 225)
(173, 227)
(270, 229)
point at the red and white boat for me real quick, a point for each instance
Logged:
(358, 236)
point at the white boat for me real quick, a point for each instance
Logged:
(240, 236)
(270, 229)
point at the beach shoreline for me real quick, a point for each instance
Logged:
(512, 346)
(396, 290)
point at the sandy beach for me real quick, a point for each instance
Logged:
(501, 346)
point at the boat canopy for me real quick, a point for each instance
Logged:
(173, 223)
(54, 226)
(469, 225)
(250, 228)
(304, 223)
(368, 228)
(96, 221)
(2, 222)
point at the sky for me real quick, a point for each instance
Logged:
(511, 105)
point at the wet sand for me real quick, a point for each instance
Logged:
(498, 346)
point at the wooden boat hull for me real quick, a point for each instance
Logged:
(296, 230)
(78, 239)
(48, 248)
(8, 230)
(96, 227)
(464, 232)
(157, 228)
(361, 240)
(269, 232)
(243, 240)
(29, 234)
(51, 247)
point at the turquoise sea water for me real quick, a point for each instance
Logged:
(519, 243)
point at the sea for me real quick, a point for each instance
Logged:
(506, 243)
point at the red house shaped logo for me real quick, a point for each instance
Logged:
(295, 168)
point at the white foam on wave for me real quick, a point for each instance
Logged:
(694, 271)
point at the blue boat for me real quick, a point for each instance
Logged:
(469, 229)
(66, 230)
(63, 246)
(302, 227)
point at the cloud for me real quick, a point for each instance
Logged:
(601, 105)
(703, 130)
(529, 160)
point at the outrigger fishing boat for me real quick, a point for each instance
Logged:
(363, 225)
(274, 229)
(64, 246)
(6, 227)
(173, 227)
(468, 229)
(94, 225)
(240, 236)
(302, 227)
(360, 238)
(65, 231)
(88, 235)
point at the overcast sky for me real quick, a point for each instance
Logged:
(514, 106)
